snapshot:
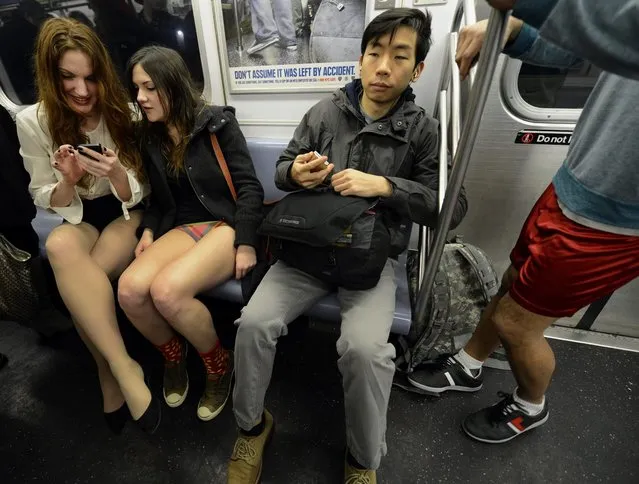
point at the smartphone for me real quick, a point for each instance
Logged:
(90, 146)
(327, 180)
(317, 155)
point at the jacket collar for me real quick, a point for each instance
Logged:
(395, 122)
(210, 117)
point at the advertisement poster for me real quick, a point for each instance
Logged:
(289, 45)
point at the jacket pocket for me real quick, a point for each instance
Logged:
(326, 145)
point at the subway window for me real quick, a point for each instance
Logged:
(553, 88)
(123, 25)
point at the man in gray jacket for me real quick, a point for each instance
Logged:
(378, 144)
(581, 239)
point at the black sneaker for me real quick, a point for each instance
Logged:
(446, 373)
(502, 422)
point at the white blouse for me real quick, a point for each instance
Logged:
(37, 149)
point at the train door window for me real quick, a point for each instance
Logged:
(123, 25)
(553, 88)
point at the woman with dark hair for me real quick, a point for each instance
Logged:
(81, 100)
(194, 235)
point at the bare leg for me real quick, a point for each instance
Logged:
(530, 356)
(134, 287)
(532, 362)
(485, 339)
(209, 263)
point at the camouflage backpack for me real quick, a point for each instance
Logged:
(464, 285)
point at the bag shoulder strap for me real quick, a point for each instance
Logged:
(440, 298)
(222, 162)
(482, 268)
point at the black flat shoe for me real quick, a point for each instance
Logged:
(150, 419)
(117, 420)
(3, 361)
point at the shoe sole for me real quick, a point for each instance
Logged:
(219, 410)
(486, 441)
(456, 388)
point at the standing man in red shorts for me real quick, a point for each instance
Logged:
(581, 239)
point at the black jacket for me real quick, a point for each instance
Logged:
(14, 179)
(206, 178)
(403, 146)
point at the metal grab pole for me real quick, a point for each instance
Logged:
(240, 42)
(487, 63)
(455, 115)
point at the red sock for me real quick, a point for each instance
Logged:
(172, 350)
(216, 360)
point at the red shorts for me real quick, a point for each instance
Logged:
(564, 266)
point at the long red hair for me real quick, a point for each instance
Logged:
(57, 36)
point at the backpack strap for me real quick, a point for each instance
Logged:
(223, 166)
(437, 318)
(482, 268)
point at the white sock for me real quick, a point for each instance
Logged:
(531, 409)
(468, 361)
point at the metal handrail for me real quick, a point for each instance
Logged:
(470, 16)
(425, 234)
(450, 83)
(455, 108)
(443, 148)
(486, 69)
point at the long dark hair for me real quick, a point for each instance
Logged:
(180, 100)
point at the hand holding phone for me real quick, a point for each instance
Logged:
(310, 169)
(329, 176)
(98, 160)
(318, 155)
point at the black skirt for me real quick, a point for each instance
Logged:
(101, 211)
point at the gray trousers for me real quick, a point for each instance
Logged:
(365, 356)
(273, 17)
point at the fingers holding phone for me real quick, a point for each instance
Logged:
(88, 156)
(309, 170)
(66, 162)
(97, 160)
